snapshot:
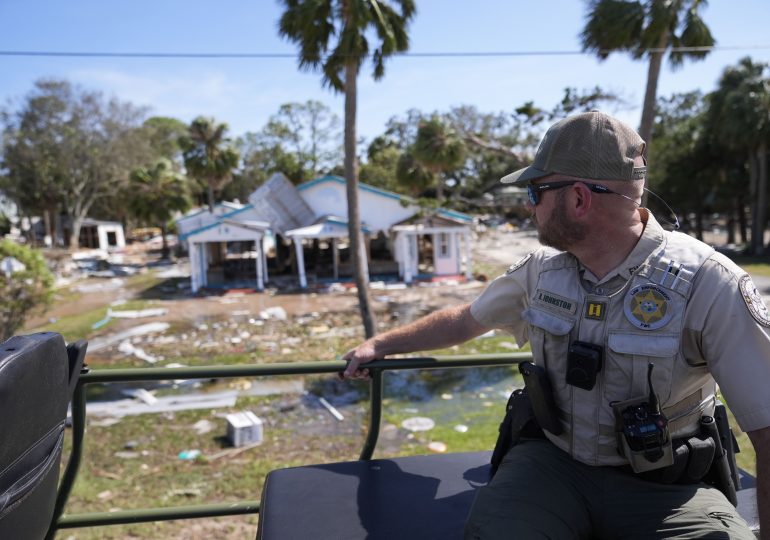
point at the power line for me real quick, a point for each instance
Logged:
(455, 54)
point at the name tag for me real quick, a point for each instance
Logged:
(555, 301)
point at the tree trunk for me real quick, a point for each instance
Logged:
(74, 235)
(731, 222)
(699, 224)
(742, 221)
(648, 108)
(48, 226)
(762, 202)
(439, 186)
(354, 212)
(211, 198)
(754, 190)
(164, 252)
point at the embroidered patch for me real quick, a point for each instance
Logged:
(648, 307)
(754, 301)
(595, 310)
(556, 301)
(519, 264)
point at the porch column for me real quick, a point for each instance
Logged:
(400, 251)
(336, 258)
(203, 261)
(195, 279)
(258, 263)
(263, 259)
(408, 275)
(300, 262)
(468, 265)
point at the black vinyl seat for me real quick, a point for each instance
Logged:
(407, 498)
(38, 374)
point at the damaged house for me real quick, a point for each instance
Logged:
(298, 235)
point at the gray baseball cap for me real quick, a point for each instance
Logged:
(590, 145)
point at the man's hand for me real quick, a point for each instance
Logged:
(438, 330)
(362, 354)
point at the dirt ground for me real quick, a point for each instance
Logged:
(224, 321)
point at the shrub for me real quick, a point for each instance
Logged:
(23, 291)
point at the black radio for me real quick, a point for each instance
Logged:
(644, 429)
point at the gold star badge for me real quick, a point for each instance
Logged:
(647, 307)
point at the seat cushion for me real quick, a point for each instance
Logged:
(418, 497)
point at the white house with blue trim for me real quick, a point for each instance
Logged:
(312, 217)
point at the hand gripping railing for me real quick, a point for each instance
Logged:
(376, 369)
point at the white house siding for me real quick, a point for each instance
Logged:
(201, 217)
(379, 209)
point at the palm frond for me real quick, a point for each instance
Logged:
(612, 25)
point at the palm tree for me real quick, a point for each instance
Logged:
(411, 174)
(740, 115)
(209, 155)
(156, 193)
(647, 28)
(311, 24)
(440, 149)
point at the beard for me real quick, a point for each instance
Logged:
(559, 231)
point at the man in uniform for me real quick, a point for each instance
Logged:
(613, 286)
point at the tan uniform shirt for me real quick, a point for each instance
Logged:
(726, 324)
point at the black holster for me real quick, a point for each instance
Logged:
(519, 421)
(708, 457)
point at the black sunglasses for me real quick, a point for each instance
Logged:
(534, 190)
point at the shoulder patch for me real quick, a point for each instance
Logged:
(522, 262)
(754, 301)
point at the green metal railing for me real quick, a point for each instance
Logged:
(376, 369)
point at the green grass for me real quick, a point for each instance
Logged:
(80, 325)
(75, 327)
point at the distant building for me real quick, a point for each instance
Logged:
(104, 235)
(299, 234)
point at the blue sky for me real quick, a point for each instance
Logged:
(245, 92)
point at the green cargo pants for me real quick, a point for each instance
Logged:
(540, 492)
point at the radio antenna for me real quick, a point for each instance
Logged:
(653, 399)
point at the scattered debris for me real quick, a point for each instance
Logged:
(106, 341)
(185, 492)
(437, 446)
(418, 423)
(126, 347)
(141, 394)
(126, 455)
(11, 265)
(189, 454)
(335, 413)
(137, 313)
(173, 273)
(447, 396)
(111, 285)
(106, 474)
(130, 445)
(99, 324)
(276, 312)
(106, 422)
(232, 452)
(461, 428)
(204, 426)
(128, 407)
(244, 428)
(104, 495)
